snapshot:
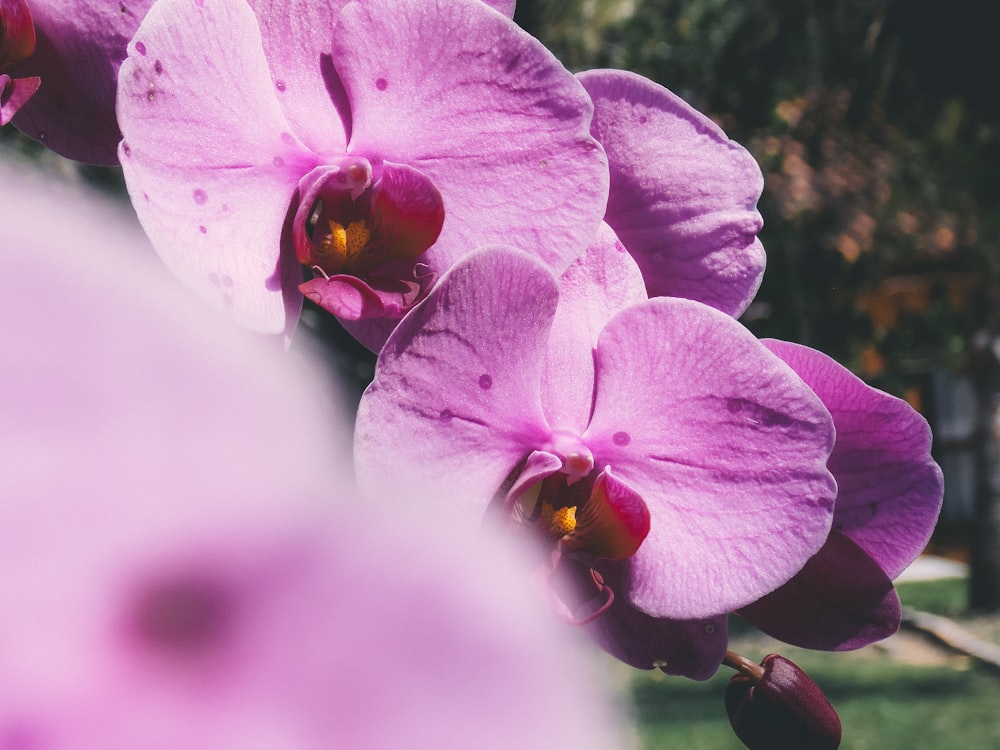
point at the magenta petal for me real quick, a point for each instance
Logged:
(211, 185)
(503, 6)
(455, 403)
(683, 196)
(14, 92)
(346, 297)
(840, 600)
(889, 488)
(601, 282)
(537, 467)
(79, 48)
(693, 648)
(410, 213)
(726, 446)
(481, 108)
(297, 41)
(612, 523)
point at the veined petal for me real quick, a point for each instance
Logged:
(211, 183)
(600, 283)
(462, 94)
(683, 196)
(297, 41)
(80, 45)
(726, 446)
(889, 488)
(455, 403)
(840, 600)
(503, 6)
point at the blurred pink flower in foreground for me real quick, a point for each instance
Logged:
(174, 574)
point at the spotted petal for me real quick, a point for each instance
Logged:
(726, 446)
(455, 402)
(462, 94)
(212, 185)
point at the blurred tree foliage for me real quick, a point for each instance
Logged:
(877, 125)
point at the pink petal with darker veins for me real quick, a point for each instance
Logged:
(455, 405)
(890, 489)
(683, 196)
(726, 446)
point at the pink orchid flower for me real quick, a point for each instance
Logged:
(372, 142)
(17, 41)
(178, 565)
(889, 496)
(683, 197)
(673, 467)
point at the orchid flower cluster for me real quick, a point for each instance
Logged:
(550, 268)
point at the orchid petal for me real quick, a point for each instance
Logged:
(501, 128)
(726, 446)
(297, 43)
(537, 467)
(503, 6)
(683, 196)
(840, 600)
(212, 185)
(689, 648)
(78, 51)
(889, 488)
(347, 297)
(455, 402)
(14, 92)
(600, 283)
(409, 210)
(612, 523)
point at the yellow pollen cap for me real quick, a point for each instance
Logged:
(558, 521)
(344, 244)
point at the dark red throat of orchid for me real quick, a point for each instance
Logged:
(598, 515)
(354, 219)
(17, 32)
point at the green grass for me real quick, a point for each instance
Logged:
(883, 703)
(946, 597)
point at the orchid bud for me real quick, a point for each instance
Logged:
(777, 706)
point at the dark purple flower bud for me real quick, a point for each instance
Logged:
(778, 707)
